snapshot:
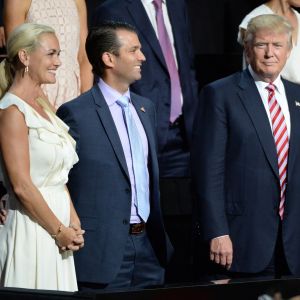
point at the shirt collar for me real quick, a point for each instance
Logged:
(110, 94)
(148, 2)
(262, 84)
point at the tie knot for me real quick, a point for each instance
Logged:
(157, 4)
(123, 101)
(270, 87)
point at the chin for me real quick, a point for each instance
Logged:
(138, 77)
(50, 81)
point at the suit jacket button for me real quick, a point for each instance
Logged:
(125, 222)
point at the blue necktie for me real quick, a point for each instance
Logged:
(138, 161)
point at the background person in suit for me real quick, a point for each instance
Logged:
(246, 162)
(125, 248)
(158, 83)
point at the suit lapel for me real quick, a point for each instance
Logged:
(140, 17)
(295, 127)
(252, 102)
(175, 13)
(109, 126)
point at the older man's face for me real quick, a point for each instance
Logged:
(268, 53)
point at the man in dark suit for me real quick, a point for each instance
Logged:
(246, 160)
(157, 82)
(125, 245)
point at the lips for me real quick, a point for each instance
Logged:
(269, 64)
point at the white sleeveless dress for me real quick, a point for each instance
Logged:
(29, 257)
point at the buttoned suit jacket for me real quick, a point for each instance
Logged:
(100, 187)
(235, 173)
(155, 83)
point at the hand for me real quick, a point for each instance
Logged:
(65, 237)
(2, 37)
(3, 211)
(3, 215)
(78, 242)
(221, 251)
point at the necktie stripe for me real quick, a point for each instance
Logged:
(278, 125)
(273, 108)
(281, 205)
(282, 175)
(283, 159)
(282, 148)
(276, 119)
(281, 139)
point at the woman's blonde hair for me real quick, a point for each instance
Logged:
(25, 36)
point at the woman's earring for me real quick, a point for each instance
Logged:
(26, 69)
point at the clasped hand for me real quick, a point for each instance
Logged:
(3, 212)
(71, 238)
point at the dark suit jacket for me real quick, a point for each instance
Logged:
(100, 187)
(155, 82)
(235, 172)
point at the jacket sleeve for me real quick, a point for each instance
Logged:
(208, 160)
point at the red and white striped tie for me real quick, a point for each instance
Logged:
(281, 138)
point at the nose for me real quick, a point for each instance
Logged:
(269, 50)
(141, 56)
(57, 61)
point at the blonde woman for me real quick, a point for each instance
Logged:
(42, 229)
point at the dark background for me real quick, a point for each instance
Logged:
(214, 26)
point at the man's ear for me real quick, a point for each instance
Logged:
(289, 52)
(108, 59)
(247, 51)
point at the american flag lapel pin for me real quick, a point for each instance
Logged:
(297, 103)
(144, 110)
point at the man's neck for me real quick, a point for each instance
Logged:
(117, 85)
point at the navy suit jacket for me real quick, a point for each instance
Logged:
(155, 82)
(100, 187)
(236, 176)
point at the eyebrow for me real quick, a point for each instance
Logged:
(135, 47)
(52, 50)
